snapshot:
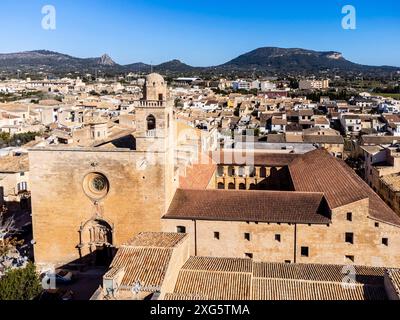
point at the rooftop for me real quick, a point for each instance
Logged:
(260, 206)
(14, 164)
(317, 171)
(234, 278)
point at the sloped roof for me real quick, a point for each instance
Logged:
(318, 171)
(233, 278)
(238, 205)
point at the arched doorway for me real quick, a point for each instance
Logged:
(96, 242)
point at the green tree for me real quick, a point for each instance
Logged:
(20, 284)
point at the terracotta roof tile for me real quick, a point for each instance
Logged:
(318, 171)
(238, 205)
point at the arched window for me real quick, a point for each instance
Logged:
(220, 171)
(253, 186)
(231, 186)
(221, 186)
(231, 171)
(151, 122)
(252, 171)
(242, 186)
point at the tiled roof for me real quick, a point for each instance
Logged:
(278, 289)
(238, 205)
(216, 286)
(232, 278)
(145, 259)
(323, 139)
(185, 297)
(219, 264)
(145, 265)
(317, 272)
(317, 171)
(392, 181)
(157, 239)
(373, 139)
(199, 175)
(394, 278)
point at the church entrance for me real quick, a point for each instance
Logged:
(97, 243)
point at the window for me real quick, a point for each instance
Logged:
(349, 216)
(288, 261)
(304, 251)
(22, 174)
(22, 186)
(248, 255)
(151, 123)
(231, 186)
(252, 171)
(181, 229)
(385, 241)
(349, 258)
(216, 235)
(247, 236)
(220, 171)
(242, 186)
(221, 186)
(278, 237)
(349, 237)
(376, 224)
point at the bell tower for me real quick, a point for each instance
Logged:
(153, 116)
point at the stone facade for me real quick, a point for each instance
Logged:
(76, 216)
(274, 242)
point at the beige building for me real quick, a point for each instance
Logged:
(14, 182)
(313, 84)
(327, 215)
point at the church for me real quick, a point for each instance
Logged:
(89, 200)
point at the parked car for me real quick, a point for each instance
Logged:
(61, 276)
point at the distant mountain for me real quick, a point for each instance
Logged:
(53, 62)
(279, 60)
(105, 60)
(175, 66)
(267, 60)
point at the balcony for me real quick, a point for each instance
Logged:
(151, 133)
(151, 103)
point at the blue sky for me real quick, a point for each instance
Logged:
(201, 33)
